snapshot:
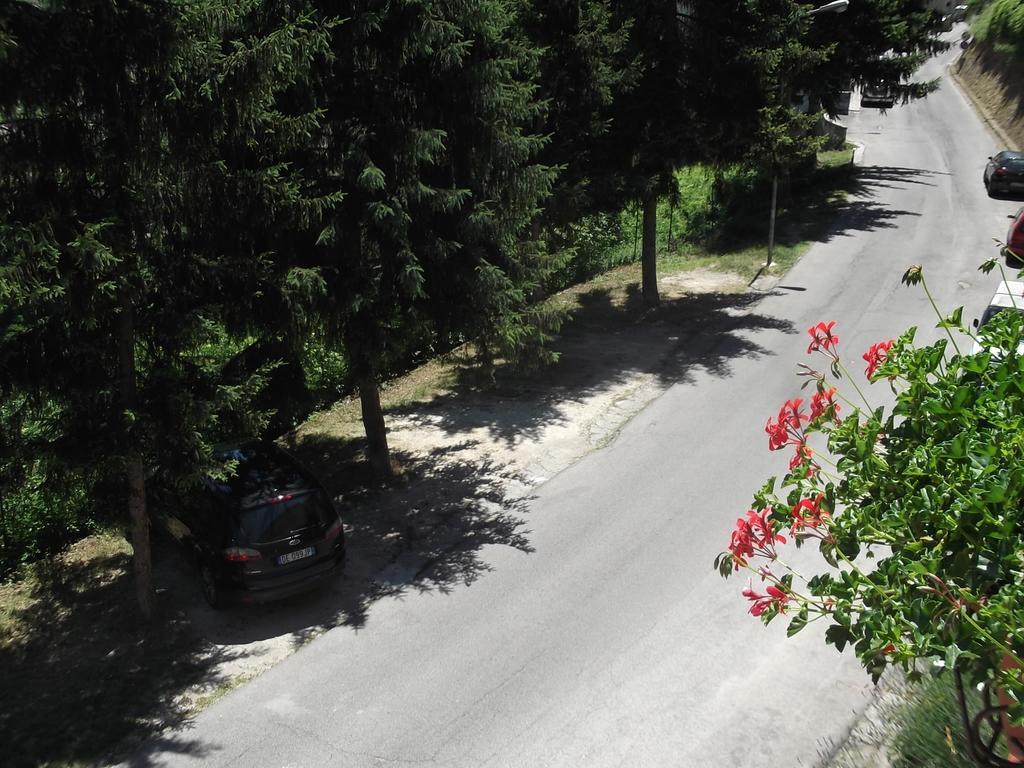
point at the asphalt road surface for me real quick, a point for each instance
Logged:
(614, 643)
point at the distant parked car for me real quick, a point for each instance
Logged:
(1009, 295)
(1004, 173)
(1015, 238)
(877, 95)
(268, 532)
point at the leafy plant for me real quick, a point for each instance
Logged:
(915, 509)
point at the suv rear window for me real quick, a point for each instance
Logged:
(278, 520)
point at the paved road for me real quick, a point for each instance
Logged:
(614, 643)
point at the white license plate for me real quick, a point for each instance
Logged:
(298, 554)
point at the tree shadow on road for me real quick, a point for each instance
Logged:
(424, 534)
(855, 209)
(611, 341)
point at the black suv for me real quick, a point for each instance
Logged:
(268, 532)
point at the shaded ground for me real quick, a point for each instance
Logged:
(471, 452)
(73, 652)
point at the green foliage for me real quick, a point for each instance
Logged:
(1001, 24)
(144, 190)
(918, 508)
(326, 369)
(874, 41)
(585, 66)
(428, 116)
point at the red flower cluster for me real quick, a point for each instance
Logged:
(808, 513)
(803, 453)
(823, 403)
(786, 430)
(878, 354)
(822, 339)
(775, 598)
(754, 535)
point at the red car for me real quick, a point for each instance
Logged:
(1015, 237)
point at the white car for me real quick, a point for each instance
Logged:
(1009, 295)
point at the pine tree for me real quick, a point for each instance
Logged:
(585, 65)
(141, 158)
(874, 42)
(699, 97)
(427, 109)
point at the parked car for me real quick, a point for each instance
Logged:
(1015, 238)
(1005, 173)
(268, 532)
(1009, 295)
(877, 94)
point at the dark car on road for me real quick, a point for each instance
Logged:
(877, 94)
(267, 532)
(1004, 173)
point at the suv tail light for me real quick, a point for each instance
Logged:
(333, 531)
(241, 555)
(1000, 171)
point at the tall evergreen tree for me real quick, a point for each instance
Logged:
(138, 139)
(428, 108)
(701, 89)
(585, 65)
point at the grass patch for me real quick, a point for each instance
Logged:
(836, 158)
(929, 733)
(81, 672)
(916, 725)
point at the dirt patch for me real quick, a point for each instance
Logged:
(996, 82)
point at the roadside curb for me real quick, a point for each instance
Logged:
(987, 119)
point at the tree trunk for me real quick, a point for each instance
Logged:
(134, 471)
(373, 423)
(649, 258)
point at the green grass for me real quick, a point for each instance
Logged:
(834, 158)
(720, 220)
(920, 726)
(929, 732)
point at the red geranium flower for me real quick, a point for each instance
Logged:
(823, 403)
(787, 428)
(808, 513)
(776, 598)
(754, 535)
(803, 453)
(822, 338)
(878, 354)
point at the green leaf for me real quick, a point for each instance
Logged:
(371, 178)
(798, 622)
(839, 636)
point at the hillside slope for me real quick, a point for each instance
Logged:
(996, 81)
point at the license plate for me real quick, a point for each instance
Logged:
(298, 554)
